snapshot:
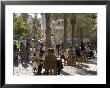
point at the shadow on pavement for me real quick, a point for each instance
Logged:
(91, 61)
(25, 65)
(81, 66)
(83, 70)
(86, 72)
(16, 64)
(64, 73)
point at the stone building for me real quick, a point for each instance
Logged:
(57, 30)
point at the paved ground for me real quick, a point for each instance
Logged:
(89, 67)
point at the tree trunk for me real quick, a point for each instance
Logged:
(48, 31)
(73, 22)
(65, 31)
(81, 34)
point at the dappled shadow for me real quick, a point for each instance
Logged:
(83, 70)
(86, 72)
(91, 72)
(81, 66)
(85, 66)
(66, 65)
(64, 73)
(91, 61)
(16, 64)
(25, 65)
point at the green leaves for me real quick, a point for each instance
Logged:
(20, 28)
(84, 22)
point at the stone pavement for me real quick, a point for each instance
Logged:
(89, 67)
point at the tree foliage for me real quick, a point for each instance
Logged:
(36, 26)
(20, 27)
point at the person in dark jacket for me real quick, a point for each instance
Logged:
(41, 51)
(78, 55)
(15, 54)
(27, 52)
(82, 46)
(59, 65)
(23, 53)
(58, 49)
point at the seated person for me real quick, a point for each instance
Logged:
(50, 61)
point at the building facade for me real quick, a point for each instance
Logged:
(57, 28)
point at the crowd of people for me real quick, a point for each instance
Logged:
(51, 60)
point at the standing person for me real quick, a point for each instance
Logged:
(78, 55)
(40, 62)
(87, 50)
(82, 46)
(59, 65)
(27, 52)
(77, 51)
(37, 46)
(58, 49)
(41, 51)
(83, 49)
(15, 53)
(44, 49)
(62, 53)
(23, 53)
(37, 64)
